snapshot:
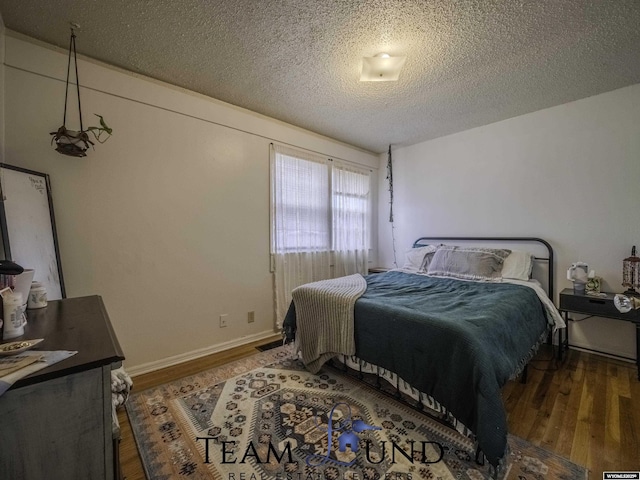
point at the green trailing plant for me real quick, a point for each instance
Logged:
(103, 129)
(76, 143)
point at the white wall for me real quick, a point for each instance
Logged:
(2, 30)
(169, 219)
(569, 174)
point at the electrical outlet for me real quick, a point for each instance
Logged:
(251, 317)
(223, 320)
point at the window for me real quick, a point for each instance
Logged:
(350, 196)
(320, 221)
(318, 204)
(301, 204)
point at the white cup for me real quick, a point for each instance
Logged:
(23, 284)
(37, 296)
(14, 318)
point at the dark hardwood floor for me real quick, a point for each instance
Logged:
(587, 409)
(581, 409)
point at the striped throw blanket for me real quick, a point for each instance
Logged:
(324, 312)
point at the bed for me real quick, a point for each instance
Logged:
(449, 342)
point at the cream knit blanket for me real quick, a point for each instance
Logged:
(324, 318)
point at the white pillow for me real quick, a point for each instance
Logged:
(414, 258)
(518, 265)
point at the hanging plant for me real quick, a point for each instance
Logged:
(102, 129)
(76, 142)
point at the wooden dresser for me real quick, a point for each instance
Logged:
(57, 423)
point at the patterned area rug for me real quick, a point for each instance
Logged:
(265, 417)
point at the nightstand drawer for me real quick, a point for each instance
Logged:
(596, 306)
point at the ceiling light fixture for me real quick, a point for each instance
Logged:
(381, 68)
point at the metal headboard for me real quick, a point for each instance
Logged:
(548, 258)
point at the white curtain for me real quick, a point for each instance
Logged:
(350, 196)
(301, 233)
(293, 270)
(319, 221)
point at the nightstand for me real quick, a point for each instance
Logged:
(595, 307)
(378, 270)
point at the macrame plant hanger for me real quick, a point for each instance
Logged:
(70, 142)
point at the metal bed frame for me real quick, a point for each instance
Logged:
(444, 417)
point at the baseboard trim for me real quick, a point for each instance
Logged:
(601, 353)
(201, 352)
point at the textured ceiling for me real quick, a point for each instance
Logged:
(469, 62)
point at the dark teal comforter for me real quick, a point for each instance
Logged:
(457, 341)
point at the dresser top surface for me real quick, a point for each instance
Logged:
(78, 324)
